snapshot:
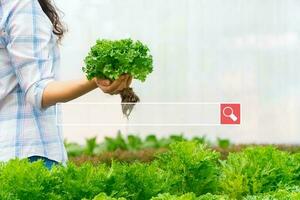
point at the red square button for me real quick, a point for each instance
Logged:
(230, 113)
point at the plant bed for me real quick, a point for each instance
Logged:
(149, 154)
(187, 171)
(134, 143)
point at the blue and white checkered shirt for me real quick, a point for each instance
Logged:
(29, 58)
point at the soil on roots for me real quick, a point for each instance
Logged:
(129, 99)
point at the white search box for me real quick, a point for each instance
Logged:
(143, 114)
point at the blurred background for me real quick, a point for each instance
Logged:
(204, 51)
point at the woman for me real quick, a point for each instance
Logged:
(29, 59)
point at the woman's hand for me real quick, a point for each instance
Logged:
(64, 91)
(116, 86)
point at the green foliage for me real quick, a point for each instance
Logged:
(213, 197)
(296, 171)
(256, 170)
(188, 171)
(223, 143)
(201, 140)
(110, 59)
(103, 196)
(21, 180)
(167, 196)
(134, 142)
(151, 141)
(190, 196)
(74, 182)
(91, 145)
(289, 193)
(113, 144)
(73, 149)
(193, 167)
(136, 181)
(131, 143)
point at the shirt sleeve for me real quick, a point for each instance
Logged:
(30, 34)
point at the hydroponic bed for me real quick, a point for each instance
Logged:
(188, 170)
(133, 148)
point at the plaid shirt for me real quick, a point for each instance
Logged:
(29, 58)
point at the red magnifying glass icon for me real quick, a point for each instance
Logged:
(230, 113)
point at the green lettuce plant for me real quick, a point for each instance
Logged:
(109, 59)
(256, 170)
(193, 168)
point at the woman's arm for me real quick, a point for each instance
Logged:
(64, 91)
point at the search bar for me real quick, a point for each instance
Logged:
(149, 114)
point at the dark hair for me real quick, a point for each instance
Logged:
(51, 11)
